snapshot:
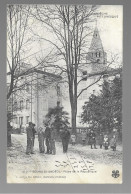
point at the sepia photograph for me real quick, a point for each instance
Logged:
(64, 93)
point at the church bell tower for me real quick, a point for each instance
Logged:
(96, 54)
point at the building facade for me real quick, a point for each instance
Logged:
(41, 91)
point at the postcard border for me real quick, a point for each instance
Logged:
(125, 187)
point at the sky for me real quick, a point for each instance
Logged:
(111, 29)
(110, 26)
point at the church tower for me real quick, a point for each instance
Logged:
(96, 54)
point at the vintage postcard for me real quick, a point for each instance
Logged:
(64, 93)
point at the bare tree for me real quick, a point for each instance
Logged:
(68, 23)
(19, 48)
(19, 39)
(71, 26)
(17, 22)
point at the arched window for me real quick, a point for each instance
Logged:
(58, 91)
(21, 120)
(15, 105)
(21, 104)
(27, 104)
(97, 54)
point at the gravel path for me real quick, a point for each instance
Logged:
(80, 164)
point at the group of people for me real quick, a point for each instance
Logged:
(103, 141)
(112, 143)
(46, 137)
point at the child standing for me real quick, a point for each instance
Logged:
(73, 139)
(106, 142)
(113, 143)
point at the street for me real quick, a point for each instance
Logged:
(80, 164)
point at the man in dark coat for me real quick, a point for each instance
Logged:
(65, 136)
(29, 131)
(101, 140)
(52, 140)
(41, 137)
(92, 139)
(34, 131)
(48, 139)
(83, 137)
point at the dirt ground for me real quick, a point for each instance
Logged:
(80, 165)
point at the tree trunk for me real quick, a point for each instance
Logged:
(73, 118)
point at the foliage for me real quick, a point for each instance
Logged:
(57, 117)
(104, 112)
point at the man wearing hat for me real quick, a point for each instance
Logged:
(48, 139)
(52, 140)
(65, 136)
(30, 138)
(41, 137)
(34, 131)
(92, 139)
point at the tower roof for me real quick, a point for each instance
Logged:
(96, 43)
